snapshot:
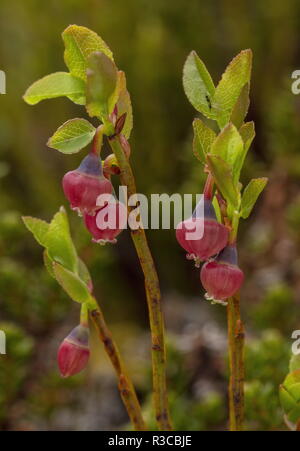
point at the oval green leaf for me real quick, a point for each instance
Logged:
(72, 284)
(80, 43)
(250, 195)
(72, 136)
(198, 85)
(102, 75)
(228, 91)
(58, 84)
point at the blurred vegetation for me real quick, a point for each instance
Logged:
(150, 41)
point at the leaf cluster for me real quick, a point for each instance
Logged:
(93, 80)
(227, 104)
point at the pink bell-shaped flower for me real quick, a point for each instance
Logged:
(214, 235)
(222, 277)
(73, 353)
(107, 223)
(83, 185)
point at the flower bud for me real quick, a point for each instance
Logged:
(107, 223)
(215, 235)
(83, 185)
(222, 278)
(289, 394)
(110, 165)
(73, 354)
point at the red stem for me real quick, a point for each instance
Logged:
(208, 188)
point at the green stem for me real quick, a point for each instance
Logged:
(235, 348)
(234, 227)
(236, 364)
(84, 315)
(153, 298)
(125, 385)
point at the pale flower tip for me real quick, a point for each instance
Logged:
(219, 301)
(77, 210)
(64, 376)
(101, 242)
(190, 256)
(104, 242)
(208, 297)
(197, 262)
(215, 301)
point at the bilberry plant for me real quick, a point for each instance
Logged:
(95, 82)
(64, 265)
(222, 154)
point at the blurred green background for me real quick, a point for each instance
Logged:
(150, 41)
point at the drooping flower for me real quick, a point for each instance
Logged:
(222, 277)
(73, 353)
(83, 185)
(202, 236)
(107, 223)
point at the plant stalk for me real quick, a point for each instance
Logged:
(236, 364)
(208, 187)
(153, 297)
(236, 338)
(125, 385)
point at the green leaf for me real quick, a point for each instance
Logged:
(250, 195)
(294, 362)
(59, 248)
(124, 104)
(59, 242)
(72, 284)
(235, 77)
(286, 400)
(102, 76)
(48, 262)
(294, 391)
(72, 136)
(241, 107)
(55, 237)
(198, 85)
(84, 273)
(247, 132)
(229, 146)
(37, 227)
(289, 394)
(80, 43)
(203, 139)
(55, 85)
(291, 380)
(222, 174)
